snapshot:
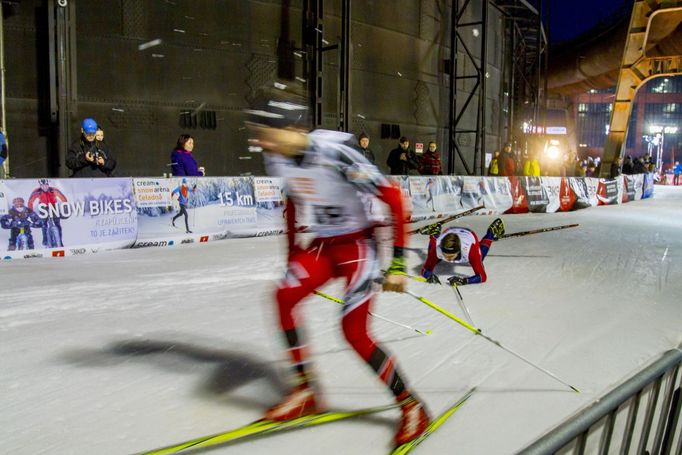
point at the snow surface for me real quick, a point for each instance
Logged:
(126, 351)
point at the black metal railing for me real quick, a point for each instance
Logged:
(641, 416)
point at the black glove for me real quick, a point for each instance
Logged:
(433, 279)
(457, 280)
(431, 229)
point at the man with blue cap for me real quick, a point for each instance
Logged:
(88, 158)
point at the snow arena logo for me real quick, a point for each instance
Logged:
(148, 244)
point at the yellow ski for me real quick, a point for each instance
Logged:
(437, 422)
(265, 428)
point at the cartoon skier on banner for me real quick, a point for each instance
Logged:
(19, 220)
(183, 199)
(49, 196)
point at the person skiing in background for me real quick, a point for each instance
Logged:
(49, 197)
(677, 170)
(460, 246)
(322, 172)
(19, 220)
(183, 199)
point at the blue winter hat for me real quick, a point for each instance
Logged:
(89, 126)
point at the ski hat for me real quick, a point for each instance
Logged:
(89, 126)
(280, 106)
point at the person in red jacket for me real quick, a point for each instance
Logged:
(429, 163)
(48, 196)
(324, 174)
(507, 161)
(460, 246)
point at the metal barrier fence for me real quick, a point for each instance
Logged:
(622, 421)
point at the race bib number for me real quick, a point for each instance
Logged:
(328, 215)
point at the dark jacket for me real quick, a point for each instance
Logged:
(401, 167)
(429, 163)
(627, 166)
(615, 170)
(367, 153)
(638, 167)
(80, 167)
(183, 163)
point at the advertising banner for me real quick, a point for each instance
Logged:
(472, 196)
(607, 192)
(270, 205)
(639, 185)
(536, 194)
(518, 193)
(567, 196)
(628, 188)
(496, 192)
(581, 192)
(201, 209)
(552, 190)
(64, 217)
(647, 186)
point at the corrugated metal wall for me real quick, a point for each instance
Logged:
(214, 54)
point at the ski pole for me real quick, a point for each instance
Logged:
(538, 231)
(341, 302)
(477, 331)
(458, 295)
(463, 307)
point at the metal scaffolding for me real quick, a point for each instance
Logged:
(524, 82)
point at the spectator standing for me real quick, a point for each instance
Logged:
(429, 162)
(402, 160)
(507, 161)
(627, 165)
(615, 167)
(531, 167)
(363, 148)
(638, 167)
(677, 170)
(494, 168)
(182, 160)
(87, 157)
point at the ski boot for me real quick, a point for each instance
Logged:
(298, 403)
(496, 229)
(414, 421)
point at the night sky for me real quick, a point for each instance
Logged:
(570, 18)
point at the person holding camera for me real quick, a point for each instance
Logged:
(88, 157)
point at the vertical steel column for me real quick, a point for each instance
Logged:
(345, 57)
(3, 122)
(453, 87)
(313, 34)
(512, 82)
(63, 42)
(479, 149)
